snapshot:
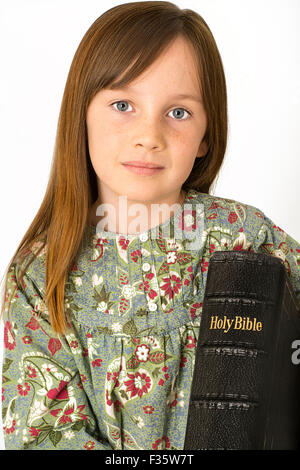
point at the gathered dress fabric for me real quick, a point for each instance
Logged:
(120, 378)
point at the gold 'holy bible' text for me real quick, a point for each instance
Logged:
(236, 323)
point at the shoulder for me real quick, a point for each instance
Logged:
(237, 222)
(25, 280)
(228, 211)
(30, 264)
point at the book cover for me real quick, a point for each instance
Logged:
(245, 391)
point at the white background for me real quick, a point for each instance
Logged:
(259, 45)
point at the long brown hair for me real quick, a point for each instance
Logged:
(123, 41)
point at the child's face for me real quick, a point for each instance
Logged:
(150, 125)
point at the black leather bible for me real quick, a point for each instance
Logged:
(245, 390)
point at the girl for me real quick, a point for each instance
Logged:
(101, 321)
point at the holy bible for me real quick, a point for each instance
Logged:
(245, 390)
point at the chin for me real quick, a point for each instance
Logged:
(145, 196)
(142, 190)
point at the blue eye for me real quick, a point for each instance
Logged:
(117, 102)
(182, 109)
(121, 109)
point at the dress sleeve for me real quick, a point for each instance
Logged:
(44, 405)
(272, 240)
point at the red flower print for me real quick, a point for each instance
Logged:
(172, 285)
(115, 378)
(99, 252)
(59, 394)
(142, 352)
(89, 445)
(65, 416)
(31, 372)
(97, 363)
(123, 242)
(99, 242)
(152, 294)
(85, 352)
(11, 429)
(148, 409)
(191, 342)
(145, 285)
(138, 384)
(212, 216)
(161, 382)
(33, 324)
(183, 224)
(9, 340)
(117, 404)
(214, 205)
(190, 276)
(23, 389)
(174, 402)
(194, 308)
(26, 339)
(240, 243)
(258, 214)
(212, 248)
(163, 443)
(135, 255)
(204, 265)
(108, 401)
(172, 257)
(54, 345)
(164, 369)
(232, 217)
(183, 361)
(34, 432)
(149, 276)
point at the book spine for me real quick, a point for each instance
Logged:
(231, 388)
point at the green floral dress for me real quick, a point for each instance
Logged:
(121, 377)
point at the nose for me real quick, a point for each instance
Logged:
(149, 133)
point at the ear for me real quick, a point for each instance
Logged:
(202, 150)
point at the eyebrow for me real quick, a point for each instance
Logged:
(177, 96)
(186, 96)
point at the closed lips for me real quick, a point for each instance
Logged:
(142, 164)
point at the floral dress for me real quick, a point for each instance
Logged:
(121, 376)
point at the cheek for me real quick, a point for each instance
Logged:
(184, 158)
(91, 137)
(96, 143)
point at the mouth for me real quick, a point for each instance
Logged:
(142, 169)
(142, 164)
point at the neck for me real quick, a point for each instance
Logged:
(123, 215)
